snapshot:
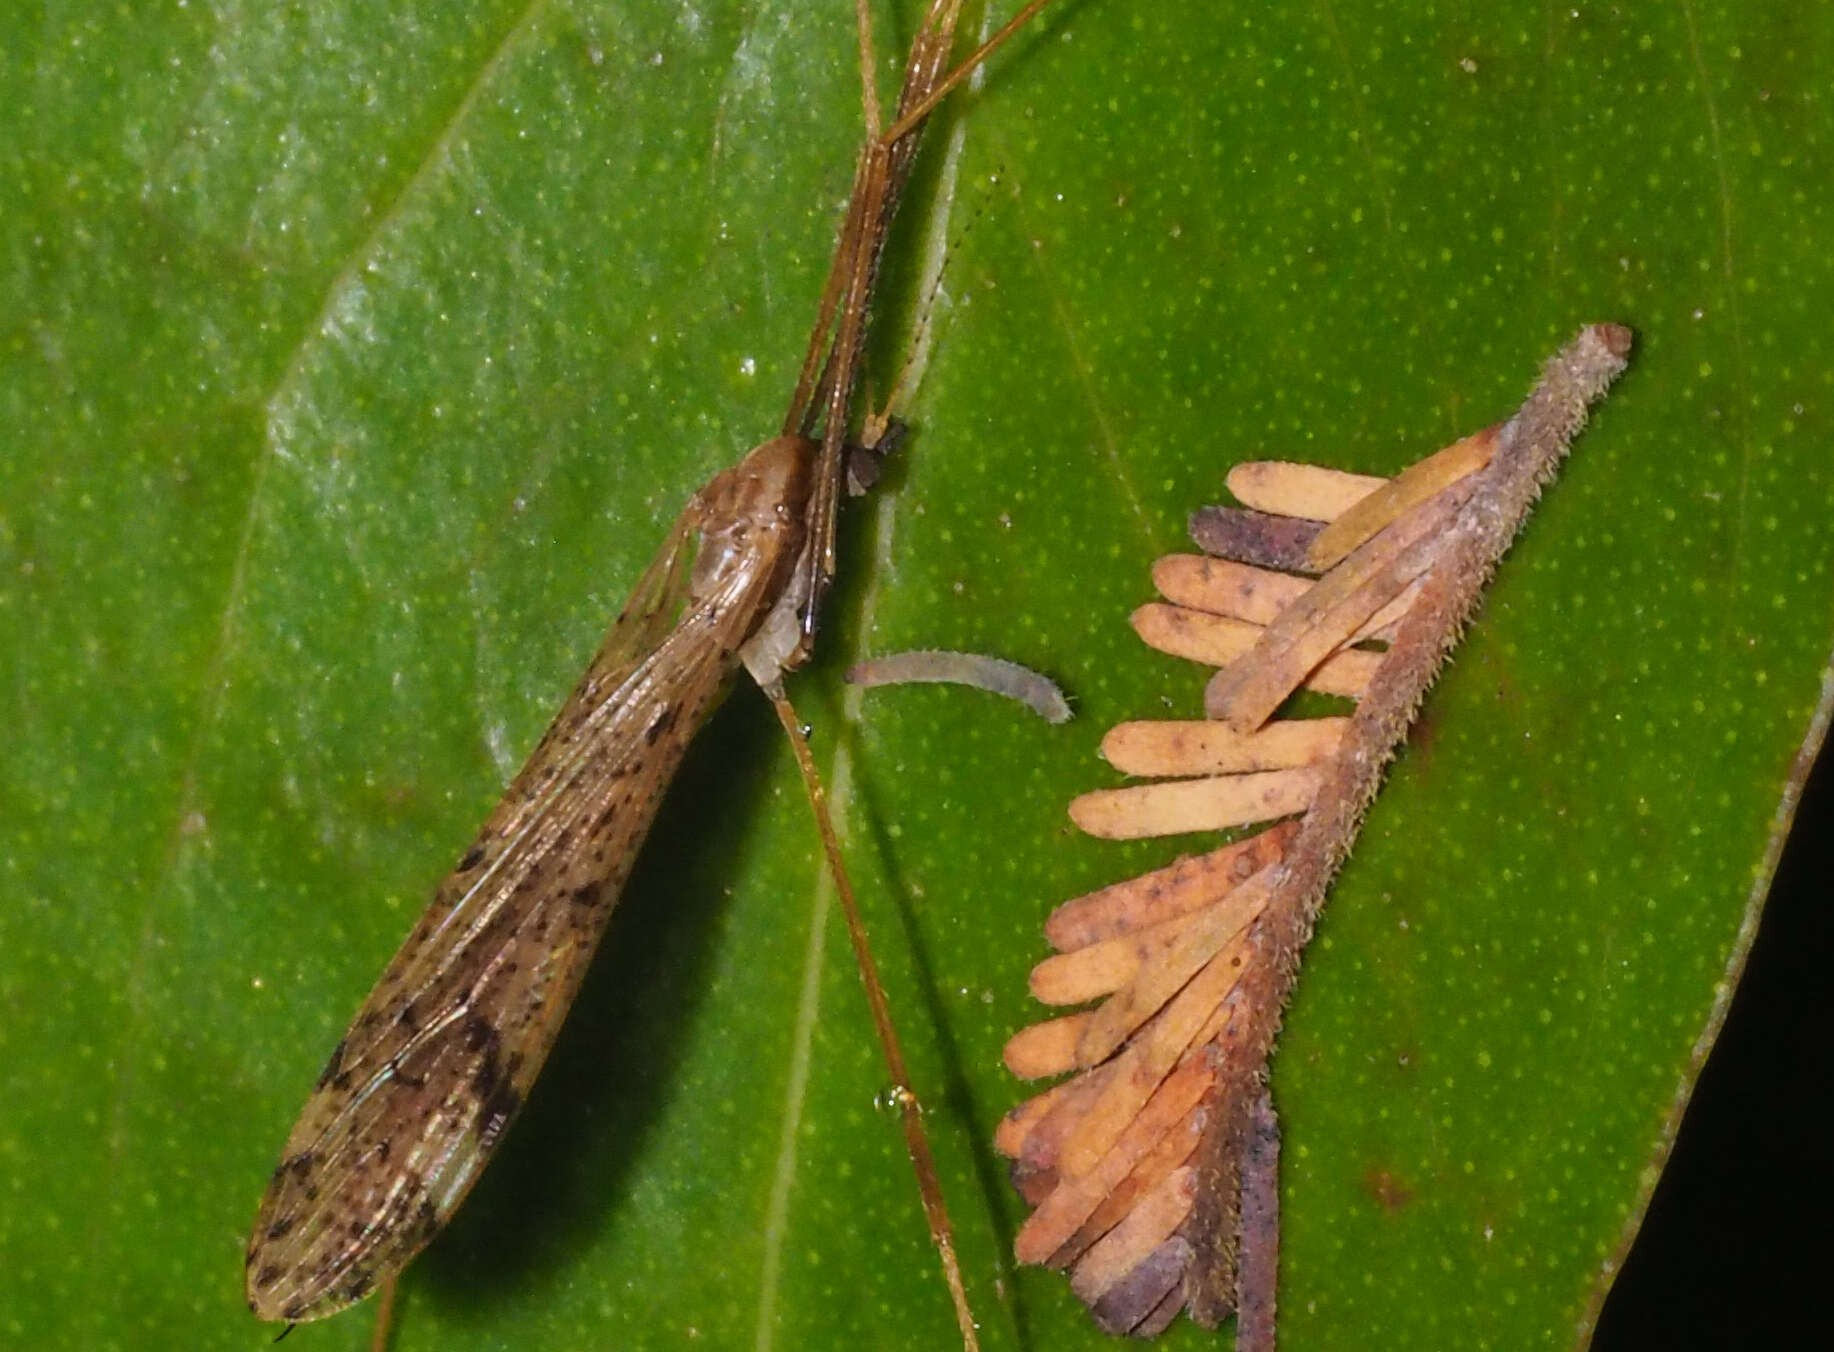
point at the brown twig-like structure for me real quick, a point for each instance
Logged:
(1149, 1168)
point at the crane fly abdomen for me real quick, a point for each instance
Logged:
(438, 1060)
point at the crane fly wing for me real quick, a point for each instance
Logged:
(437, 1061)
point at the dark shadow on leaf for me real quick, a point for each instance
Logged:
(954, 1100)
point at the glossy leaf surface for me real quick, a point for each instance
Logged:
(354, 361)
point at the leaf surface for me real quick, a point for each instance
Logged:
(354, 361)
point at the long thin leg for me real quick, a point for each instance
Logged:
(908, 118)
(824, 391)
(385, 1314)
(916, 1141)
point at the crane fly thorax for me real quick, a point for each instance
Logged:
(753, 522)
(751, 518)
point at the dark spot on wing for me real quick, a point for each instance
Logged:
(278, 1230)
(404, 1079)
(426, 1220)
(267, 1276)
(585, 895)
(497, 1098)
(359, 1285)
(409, 1017)
(499, 1110)
(605, 819)
(659, 725)
(473, 857)
(480, 1036)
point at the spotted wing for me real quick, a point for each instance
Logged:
(436, 1063)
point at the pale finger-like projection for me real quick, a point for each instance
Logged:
(1149, 1167)
(995, 675)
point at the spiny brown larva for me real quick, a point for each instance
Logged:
(1149, 1170)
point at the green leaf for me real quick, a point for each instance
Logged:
(353, 361)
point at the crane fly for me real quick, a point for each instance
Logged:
(417, 1095)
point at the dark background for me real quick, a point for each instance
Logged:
(1736, 1249)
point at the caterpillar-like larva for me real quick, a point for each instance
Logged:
(1149, 1167)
